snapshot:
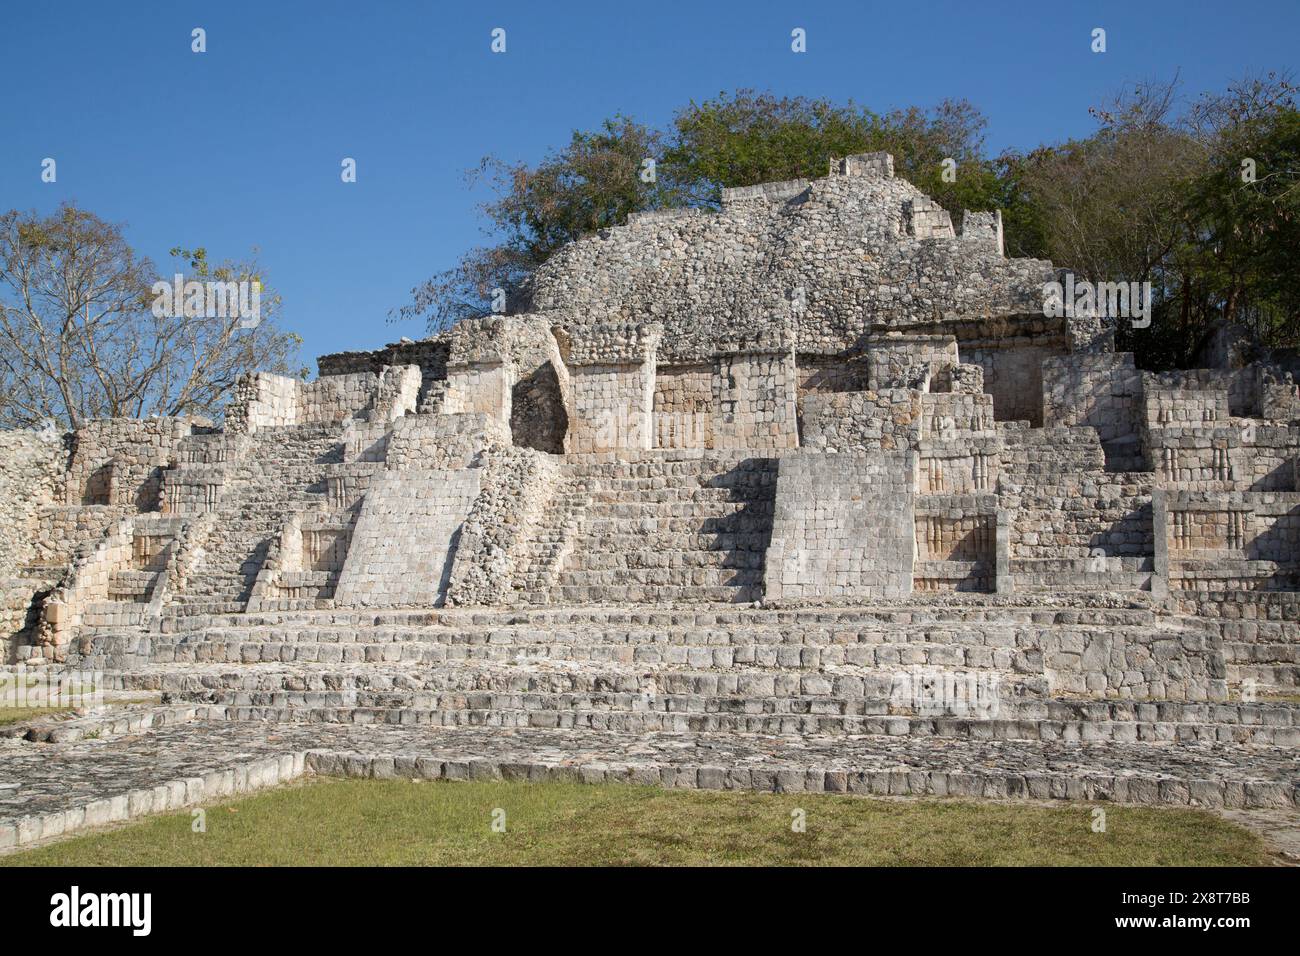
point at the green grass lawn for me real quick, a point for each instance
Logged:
(358, 822)
(15, 715)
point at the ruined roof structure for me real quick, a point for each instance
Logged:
(803, 493)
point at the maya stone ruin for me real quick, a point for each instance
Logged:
(805, 493)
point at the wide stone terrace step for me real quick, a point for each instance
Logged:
(841, 701)
(1029, 609)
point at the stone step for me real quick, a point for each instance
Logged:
(939, 609)
(1267, 677)
(111, 781)
(1018, 703)
(783, 725)
(655, 593)
(703, 569)
(1235, 652)
(891, 656)
(595, 628)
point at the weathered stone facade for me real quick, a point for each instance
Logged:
(785, 468)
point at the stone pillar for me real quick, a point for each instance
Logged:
(484, 386)
(612, 371)
(1160, 532)
(1002, 553)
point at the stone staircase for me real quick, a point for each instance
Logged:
(1076, 525)
(282, 472)
(552, 542)
(844, 671)
(668, 530)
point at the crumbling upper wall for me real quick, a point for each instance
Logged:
(263, 400)
(119, 461)
(32, 466)
(853, 253)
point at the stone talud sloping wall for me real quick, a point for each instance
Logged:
(405, 537)
(402, 548)
(843, 527)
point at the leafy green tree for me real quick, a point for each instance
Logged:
(1246, 204)
(595, 182)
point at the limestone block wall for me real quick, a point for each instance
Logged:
(265, 401)
(119, 461)
(953, 414)
(614, 407)
(923, 218)
(959, 465)
(741, 401)
(1279, 401)
(1183, 407)
(1230, 540)
(1237, 456)
(1013, 375)
(397, 393)
(757, 402)
(31, 472)
(908, 361)
(61, 529)
(483, 388)
(192, 489)
(860, 421)
(366, 441)
(428, 355)
(86, 584)
(612, 376)
(684, 403)
(1241, 384)
(346, 483)
(1135, 664)
(1077, 517)
(843, 527)
(304, 561)
(262, 400)
(956, 542)
(1101, 390)
(820, 373)
(443, 441)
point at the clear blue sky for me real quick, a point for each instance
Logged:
(240, 146)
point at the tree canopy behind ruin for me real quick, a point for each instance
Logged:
(1156, 193)
(79, 337)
